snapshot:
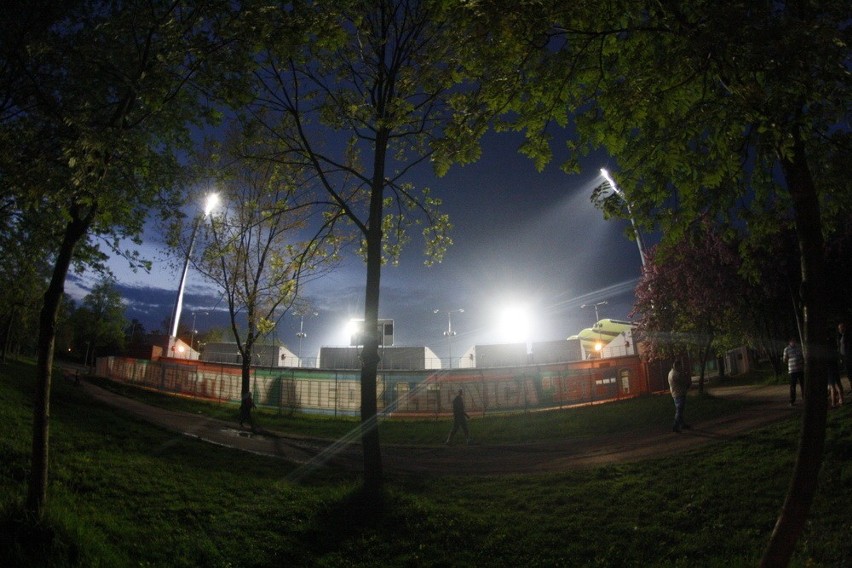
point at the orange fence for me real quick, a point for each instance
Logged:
(399, 393)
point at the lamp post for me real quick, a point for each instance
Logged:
(133, 327)
(301, 334)
(621, 195)
(450, 333)
(210, 203)
(597, 317)
(194, 331)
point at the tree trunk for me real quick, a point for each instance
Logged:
(705, 354)
(245, 349)
(818, 346)
(37, 491)
(7, 337)
(247, 353)
(369, 368)
(370, 354)
(245, 384)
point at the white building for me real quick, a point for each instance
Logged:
(557, 351)
(497, 355)
(397, 358)
(262, 355)
(515, 354)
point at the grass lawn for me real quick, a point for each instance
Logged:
(123, 493)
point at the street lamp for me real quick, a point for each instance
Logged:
(450, 333)
(210, 203)
(597, 317)
(301, 334)
(133, 327)
(621, 195)
(194, 331)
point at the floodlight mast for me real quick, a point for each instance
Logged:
(301, 334)
(210, 203)
(449, 333)
(621, 195)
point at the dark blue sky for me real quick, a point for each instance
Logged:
(521, 238)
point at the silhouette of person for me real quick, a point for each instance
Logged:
(795, 360)
(679, 383)
(460, 418)
(835, 391)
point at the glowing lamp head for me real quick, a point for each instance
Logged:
(211, 202)
(514, 324)
(354, 331)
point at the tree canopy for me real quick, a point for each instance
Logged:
(99, 321)
(268, 239)
(746, 123)
(690, 297)
(361, 95)
(97, 99)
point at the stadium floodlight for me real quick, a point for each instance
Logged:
(449, 333)
(610, 184)
(210, 203)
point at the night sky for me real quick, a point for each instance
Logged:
(521, 238)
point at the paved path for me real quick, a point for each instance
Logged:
(770, 404)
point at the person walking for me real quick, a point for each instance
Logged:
(460, 418)
(795, 360)
(844, 349)
(246, 406)
(679, 383)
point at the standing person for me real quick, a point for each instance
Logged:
(245, 410)
(844, 349)
(835, 391)
(460, 418)
(679, 383)
(795, 360)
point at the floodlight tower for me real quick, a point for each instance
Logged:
(449, 333)
(301, 333)
(620, 194)
(210, 202)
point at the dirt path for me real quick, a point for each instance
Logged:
(554, 455)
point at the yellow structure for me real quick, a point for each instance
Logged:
(594, 339)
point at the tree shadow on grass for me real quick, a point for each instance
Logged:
(357, 516)
(32, 542)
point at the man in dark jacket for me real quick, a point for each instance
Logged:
(459, 418)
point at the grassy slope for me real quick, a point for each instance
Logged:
(124, 493)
